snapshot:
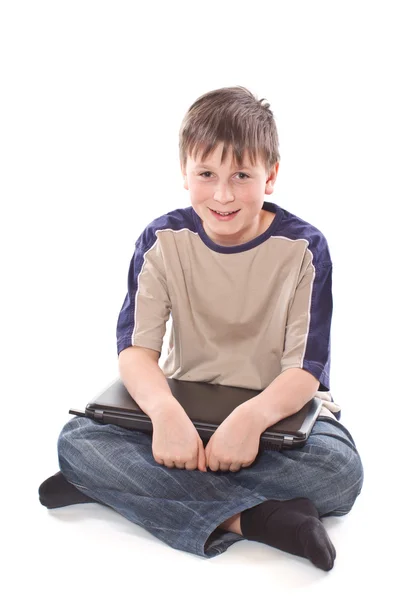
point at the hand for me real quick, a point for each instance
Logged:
(176, 442)
(236, 442)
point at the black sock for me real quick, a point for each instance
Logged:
(292, 526)
(56, 491)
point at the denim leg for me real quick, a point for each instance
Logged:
(184, 508)
(327, 470)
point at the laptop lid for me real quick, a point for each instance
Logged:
(207, 405)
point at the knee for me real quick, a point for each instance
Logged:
(72, 447)
(70, 435)
(338, 475)
(347, 482)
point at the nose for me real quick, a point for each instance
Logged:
(223, 194)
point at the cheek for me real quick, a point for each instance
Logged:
(199, 194)
(253, 193)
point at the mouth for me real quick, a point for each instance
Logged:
(228, 216)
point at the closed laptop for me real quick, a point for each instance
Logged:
(207, 405)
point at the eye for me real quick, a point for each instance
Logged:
(208, 172)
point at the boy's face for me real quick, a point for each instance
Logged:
(225, 187)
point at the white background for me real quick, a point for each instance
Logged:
(92, 97)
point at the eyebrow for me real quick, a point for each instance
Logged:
(211, 168)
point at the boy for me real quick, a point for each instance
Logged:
(248, 285)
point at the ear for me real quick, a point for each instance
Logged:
(273, 174)
(185, 182)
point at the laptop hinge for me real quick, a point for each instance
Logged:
(98, 414)
(287, 440)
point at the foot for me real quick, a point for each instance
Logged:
(292, 526)
(56, 491)
(316, 544)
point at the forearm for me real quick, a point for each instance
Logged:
(145, 381)
(285, 396)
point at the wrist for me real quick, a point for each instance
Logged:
(166, 406)
(255, 410)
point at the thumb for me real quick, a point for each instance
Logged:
(201, 456)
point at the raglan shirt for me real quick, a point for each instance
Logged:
(241, 315)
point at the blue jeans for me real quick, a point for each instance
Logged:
(184, 508)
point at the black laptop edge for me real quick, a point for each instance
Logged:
(274, 440)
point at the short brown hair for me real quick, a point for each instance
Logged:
(235, 117)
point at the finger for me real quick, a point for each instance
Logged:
(207, 452)
(247, 464)
(191, 465)
(224, 466)
(213, 463)
(202, 464)
(178, 462)
(235, 467)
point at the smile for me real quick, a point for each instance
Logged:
(224, 214)
(228, 216)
